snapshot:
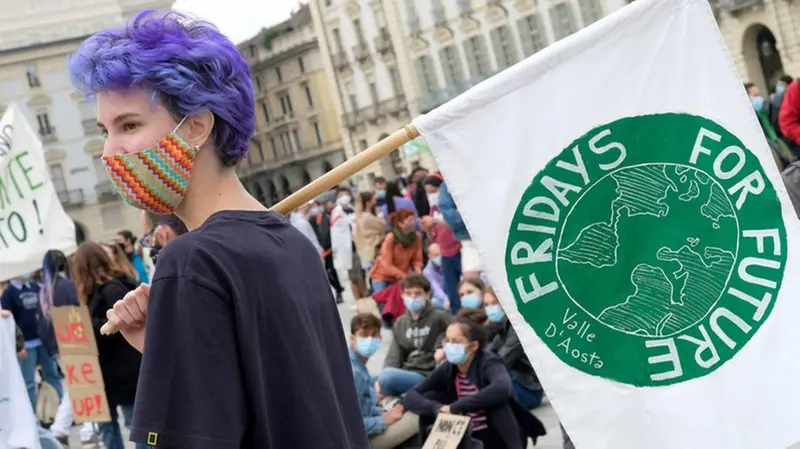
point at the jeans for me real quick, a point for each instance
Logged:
(39, 356)
(379, 285)
(112, 434)
(528, 398)
(396, 381)
(451, 271)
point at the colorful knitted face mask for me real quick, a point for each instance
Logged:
(156, 178)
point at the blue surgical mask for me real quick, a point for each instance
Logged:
(413, 303)
(495, 313)
(437, 261)
(381, 194)
(471, 301)
(437, 302)
(758, 103)
(367, 346)
(456, 353)
(780, 88)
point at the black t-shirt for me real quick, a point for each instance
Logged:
(244, 346)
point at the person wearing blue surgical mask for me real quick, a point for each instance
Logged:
(380, 190)
(416, 332)
(386, 427)
(505, 343)
(474, 382)
(470, 290)
(780, 150)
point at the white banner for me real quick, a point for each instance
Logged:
(18, 427)
(637, 232)
(32, 220)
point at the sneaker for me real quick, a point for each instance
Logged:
(64, 440)
(94, 438)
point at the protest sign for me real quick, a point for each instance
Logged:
(447, 432)
(78, 348)
(18, 426)
(32, 220)
(636, 231)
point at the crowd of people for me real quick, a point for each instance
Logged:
(404, 247)
(96, 276)
(401, 246)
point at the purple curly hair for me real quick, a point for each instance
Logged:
(189, 65)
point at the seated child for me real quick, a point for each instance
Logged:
(471, 292)
(410, 357)
(474, 382)
(506, 344)
(386, 428)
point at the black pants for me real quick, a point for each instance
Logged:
(333, 278)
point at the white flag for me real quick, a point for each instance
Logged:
(32, 220)
(18, 426)
(631, 218)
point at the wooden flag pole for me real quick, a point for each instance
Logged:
(332, 179)
(347, 169)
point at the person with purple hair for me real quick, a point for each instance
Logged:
(243, 346)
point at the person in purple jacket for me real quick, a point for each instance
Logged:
(433, 271)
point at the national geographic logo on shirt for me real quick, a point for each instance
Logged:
(649, 251)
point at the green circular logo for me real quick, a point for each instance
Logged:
(649, 251)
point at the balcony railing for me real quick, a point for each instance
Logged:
(361, 51)
(431, 100)
(105, 192)
(71, 198)
(393, 105)
(90, 126)
(734, 6)
(340, 60)
(464, 6)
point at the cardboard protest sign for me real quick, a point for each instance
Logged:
(447, 432)
(18, 426)
(32, 220)
(636, 231)
(78, 348)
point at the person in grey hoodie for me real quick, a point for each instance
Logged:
(410, 357)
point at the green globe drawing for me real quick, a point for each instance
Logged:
(649, 249)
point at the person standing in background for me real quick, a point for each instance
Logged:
(380, 190)
(300, 220)
(128, 242)
(21, 299)
(369, 230)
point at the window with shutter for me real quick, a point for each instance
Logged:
(532, 34)
(57, 177)
(477, 58)
(563, 20)
(591, 11)
(427, 77)
(505, 50)
(451, 65)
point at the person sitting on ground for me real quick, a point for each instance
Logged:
(476, 315)
(476, 383)
(471, 292)
(506, 344)
(410, 357)
(386, 428)
(400, 253)
(433, 271)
